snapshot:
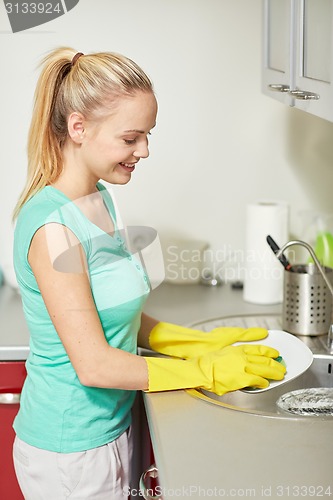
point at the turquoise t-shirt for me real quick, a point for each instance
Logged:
(57, 412)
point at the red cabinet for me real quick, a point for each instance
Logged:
(12, 375)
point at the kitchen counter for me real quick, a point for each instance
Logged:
(203, 450)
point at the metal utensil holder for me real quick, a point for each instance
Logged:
(308, 296)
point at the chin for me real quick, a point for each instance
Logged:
(117, 179)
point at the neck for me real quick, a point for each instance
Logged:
(74, 181)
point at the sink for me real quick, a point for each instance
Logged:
(319, 375)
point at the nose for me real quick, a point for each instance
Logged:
(142, 150)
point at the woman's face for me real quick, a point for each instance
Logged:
(111, 147)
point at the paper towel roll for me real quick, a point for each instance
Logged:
(263, 280)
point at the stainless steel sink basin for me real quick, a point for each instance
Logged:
(319, 375)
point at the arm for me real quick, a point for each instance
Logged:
(68, 298)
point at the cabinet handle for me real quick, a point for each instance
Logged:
(304, 95)
(277, 87)
(8, 398)
(151, 472)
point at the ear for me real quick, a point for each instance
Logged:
(75, 125)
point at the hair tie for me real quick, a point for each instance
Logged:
(76, 57)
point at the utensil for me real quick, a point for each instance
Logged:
(282, 258)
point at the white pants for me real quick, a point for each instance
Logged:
(102, 473)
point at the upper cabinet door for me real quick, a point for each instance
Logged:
(277, 49)
(314, 51)
(298, 54)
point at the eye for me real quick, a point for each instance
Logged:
(130, 142)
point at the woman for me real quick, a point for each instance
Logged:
(83, 292)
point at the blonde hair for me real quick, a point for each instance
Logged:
(88, 84)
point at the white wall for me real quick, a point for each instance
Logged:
(219, 143)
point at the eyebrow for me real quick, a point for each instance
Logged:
(137, 131)
(134, 130)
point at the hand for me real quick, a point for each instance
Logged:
(236, 367)
(182, 342)
(229, 369)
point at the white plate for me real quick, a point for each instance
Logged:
(296, 355)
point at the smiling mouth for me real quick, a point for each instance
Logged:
(129, 167)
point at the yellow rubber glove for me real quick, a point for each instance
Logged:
(229, 369)
(182, 342)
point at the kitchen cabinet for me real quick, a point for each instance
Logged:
(277, 56)
(12, 375)
(14, 348)
(298, 54)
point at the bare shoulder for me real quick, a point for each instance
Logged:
(58, 262)
(55, 245)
